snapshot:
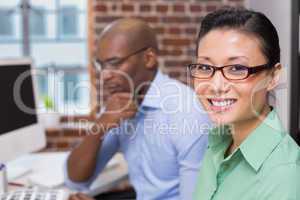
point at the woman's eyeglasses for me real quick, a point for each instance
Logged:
(230, 72)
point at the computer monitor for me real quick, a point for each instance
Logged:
(20, 129)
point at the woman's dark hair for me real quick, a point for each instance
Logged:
(247, 21)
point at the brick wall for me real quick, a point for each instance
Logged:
(176, 23)
(63, 139)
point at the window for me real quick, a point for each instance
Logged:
(68, 21)
(42, 83)
(76, 87)
(70, 82)
(37, 22)
(61, 62)
(6, 22)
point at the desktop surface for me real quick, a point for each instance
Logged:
(44, 165)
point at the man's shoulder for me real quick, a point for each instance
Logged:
(174, 85)
(178, 97)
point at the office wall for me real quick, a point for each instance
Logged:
(279, 13)
(176, 23)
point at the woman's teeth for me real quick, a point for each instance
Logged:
(222, 103)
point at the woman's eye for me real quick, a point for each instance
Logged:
(238, 68)
(204, 67)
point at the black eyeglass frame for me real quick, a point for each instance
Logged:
(251, 70)
(116, 61)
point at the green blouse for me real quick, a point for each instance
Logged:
(266, 166)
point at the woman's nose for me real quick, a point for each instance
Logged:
(219, 83)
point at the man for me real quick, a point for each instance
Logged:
(149, 117)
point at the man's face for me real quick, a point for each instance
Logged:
(121, 68)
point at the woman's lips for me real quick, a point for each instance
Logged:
(221, 104)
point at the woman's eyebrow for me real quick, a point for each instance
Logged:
(204, 57)
(230, 59)
(238, 57)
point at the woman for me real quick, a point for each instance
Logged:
(249, 155)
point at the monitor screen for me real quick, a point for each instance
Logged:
(17, 106)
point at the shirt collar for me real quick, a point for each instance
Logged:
(263, 140)
(258, 145)
(219, 135)
(154, 95)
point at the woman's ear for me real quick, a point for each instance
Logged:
(275, 77)
(151, 59)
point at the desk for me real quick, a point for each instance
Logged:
(42, 169)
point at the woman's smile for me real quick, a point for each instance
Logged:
(221, 104)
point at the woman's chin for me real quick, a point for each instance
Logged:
(219, 118)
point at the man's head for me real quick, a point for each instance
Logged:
(127, 54)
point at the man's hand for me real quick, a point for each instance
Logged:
(80, 196)
(120, 106)
(82, 160)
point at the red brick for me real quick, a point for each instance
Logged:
(210, 8)
(177, 42)
(196, 8)
(101, 8)
(175, 19)
(179, 8)
(114, 7)
(174, 30)
(174, 63)
(76, 118)
(145, 8)
(62, 145)
(53, 133)
(175, 52)
(191, 31)
(106, 19)
(74, 132)
(163, 52)
(150, 19)
(159, 30)
(162, 8)
(127, 8)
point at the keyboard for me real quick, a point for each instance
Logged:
(35, 194)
